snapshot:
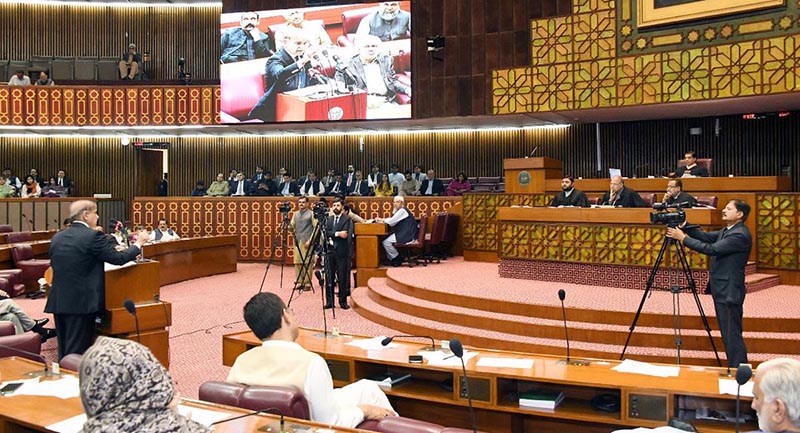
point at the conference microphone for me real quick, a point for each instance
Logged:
(341, 67)
(29, 220)
(562, 295)
(258, 412)
(458, 350)
(533, 151)
(131, 307)
(743, 375)
(387, 340)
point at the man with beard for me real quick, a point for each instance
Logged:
(339, 229)
(405, 229)
(317, 36)
(569, 195)
(302, 225)
(289, 69)
(776, 395)
(387, 23)
(246, 42)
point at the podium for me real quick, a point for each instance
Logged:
(368, 251)
(528, 175)
(316, 103)
(141, 284)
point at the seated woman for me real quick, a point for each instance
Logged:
(6, 189)
(52, 189)
(30, 188)
(459, 185)
(125, 389)
(385, 188)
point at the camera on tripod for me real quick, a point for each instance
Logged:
(285, 208)
(320, 210)
(663, 216)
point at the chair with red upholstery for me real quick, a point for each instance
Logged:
(708, 200)
(350, 21)
(244, 85)
(413, 252)
(435, 237)
(450, 232)
(288, 399)
(5, 228)
(29, 342)
(648, 198)
(19, 237)
(707, 163)
(31, 267)
(71, 362)
(15, 284)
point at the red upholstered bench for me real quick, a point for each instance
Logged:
(15, 284)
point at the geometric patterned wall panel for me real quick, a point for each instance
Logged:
(777, 230)
(112, 105)
(480, 216)
(255, 221)
(598, 58)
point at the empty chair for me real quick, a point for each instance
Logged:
(435, 237)
(450, 233)
(19, 237)
(4, 74)
(63, 69)
(648, 198)
(6, 228)
(71, 362)
(85, 68)
(501, 187)
(288, 399)
(417, 246)
(707, 200)
(594, 200)
(472, 180)
(108, 69)
(31, 267)
(489, 179)
(14, 284)
(482, 187)
(29, 342)
(350, 21)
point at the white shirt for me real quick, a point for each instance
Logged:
(398, 216)
(239, 188)
(165, 236)
(285, 190)
(396, 179)
(14, 81)
(372, 183)
(374, 79)
(429, 191)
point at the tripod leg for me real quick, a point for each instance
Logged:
(693, 286)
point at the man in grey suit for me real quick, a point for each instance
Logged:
(729, 249)
(372, 71)
(77, 255)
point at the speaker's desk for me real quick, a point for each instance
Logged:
(495, 390)
(187, 258)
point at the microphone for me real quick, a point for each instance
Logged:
(458, 350)
(33, 357)
(533, 151)
(131, 307)
(562, 295)
(387, 340)
(341, 67)
(258, 412)
(743, 375)
(29, 220)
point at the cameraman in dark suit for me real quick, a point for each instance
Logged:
(339, 229)
(729, 249)
(77, 255)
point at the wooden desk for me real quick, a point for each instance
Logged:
(368, 251)
(494, 390)
(710, 185)
(605, 215)
(188, 258)
(34, 413)
(41, 235)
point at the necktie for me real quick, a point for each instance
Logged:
(336, 187)
(335, 222)
(357, 189)
(60, 181)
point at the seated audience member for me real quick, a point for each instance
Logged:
(359, 187)
(258, 176)
(387, 23)
(263, 190)
(19, 79)
(317, 36)
(30, 188)
(350, 176)
(395, 177)
(569, 195)
(63, 180)
(280, 361)
(6, 190)
(409, 186)
(53, 189)
(163, 186)
(385, 188)
(288, 187)
(330, 177)
(199, 189)
(129, 63)
(621, 196)
(163, 233)
(241, 186)
(124, 388)
(67, 222)
(246, 42)
(405, 229)
(459, 185)
(35, 173)
(374, 177)
(431, 185)
(10, 311)
(373, 72)
(311, 187)
(44, 80)
(418, 175)
(337, 187)
(232, 175)
(675, 195)
(11, 179)
(691, 169)
(219, 187)
(776, 395)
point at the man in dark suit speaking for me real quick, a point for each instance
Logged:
(729, 249)
(77, 255)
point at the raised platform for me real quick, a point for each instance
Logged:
(470, 301)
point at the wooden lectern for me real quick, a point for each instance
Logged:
(316, 104)
(141, 284)
(528, 175)
(368, 251)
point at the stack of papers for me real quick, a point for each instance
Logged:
(541, 399)
(729, 386)
(387, 380)
(647, 369)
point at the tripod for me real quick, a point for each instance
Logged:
(675, 289)
(327, 276)
(279, 238)
(307, 262)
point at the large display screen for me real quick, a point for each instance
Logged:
(332, 63)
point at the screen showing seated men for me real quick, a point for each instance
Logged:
(331, 63)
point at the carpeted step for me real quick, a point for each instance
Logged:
(756, 281)
(750, 268)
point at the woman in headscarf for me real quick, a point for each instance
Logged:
(125, 389)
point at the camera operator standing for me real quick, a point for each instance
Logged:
(729, 249)
(302, 226)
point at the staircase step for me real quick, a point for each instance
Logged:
(755, 282)
(750, 268)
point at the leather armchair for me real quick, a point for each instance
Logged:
(71, 362)
(5, 228)
(26, 342)
(14, 285)
(32, 268)
(350, 21)
(19, 237)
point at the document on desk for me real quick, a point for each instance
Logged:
(371, 343)
(446, 359)
(647, 369)
(69, 425)
(504, 362)
(66, 387)
(728, 386)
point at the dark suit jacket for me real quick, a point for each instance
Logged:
(626, 198)
(342, 248)
(682, 198)
(79, 281)
(315, 186)
(356, 66)
(695, 171)
(235, 187)
(293, 188)
(438, 187)
(342, 188)
(363, 188)
(729, 251)
(272, 189)
(577, 198)
(281, 75)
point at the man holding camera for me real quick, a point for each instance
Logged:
(302, 226)
(729, 249)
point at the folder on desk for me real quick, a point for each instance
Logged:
(541, 399)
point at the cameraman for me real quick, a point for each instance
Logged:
(302, 226)
(729, 249)
(675, 195)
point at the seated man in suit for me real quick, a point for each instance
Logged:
(620, 196)
(280, 361)
(675, 195)
(311, 187)
(266, 186)
(569, 195)
(776, 399)
(241, 186)
(288, 187)
(337, 186)
(11, 311)
(387, 23)
(163, 233)
(288, 69)
(691, 169)
(373, 72)
(359, 187)
(431, 185)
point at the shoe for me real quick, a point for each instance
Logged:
(318, 274)
(38, 326)
(48, 334)
(344, 306)
(327, 306)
